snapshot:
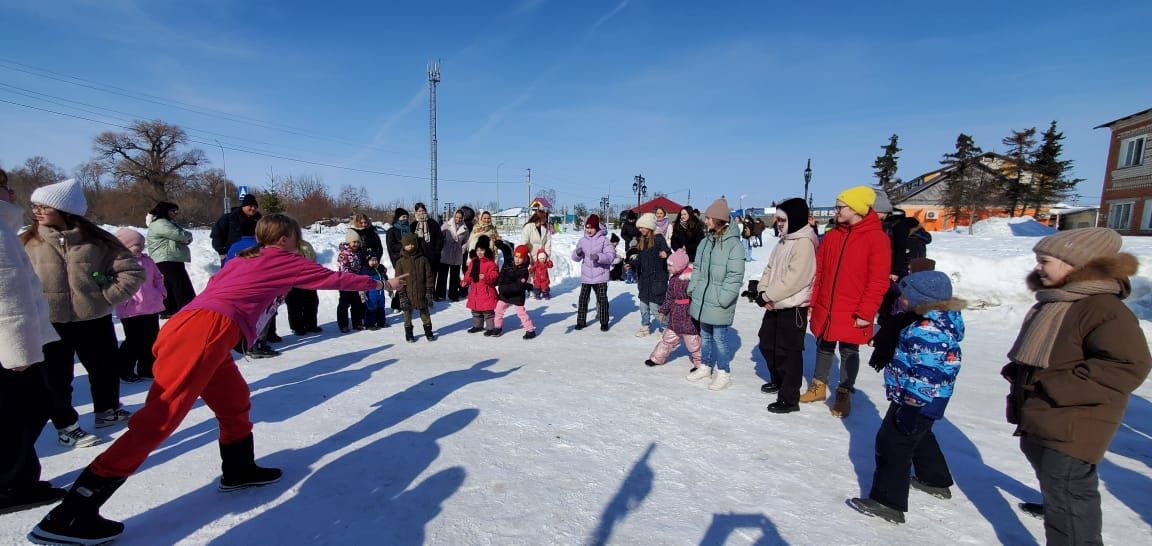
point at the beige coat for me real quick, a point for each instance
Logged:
(787, 279)
(24, 324)
(65, 262)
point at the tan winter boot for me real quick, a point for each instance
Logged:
(817, 392)
(843, 406)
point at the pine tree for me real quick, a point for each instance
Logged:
(1050, 172)
(971, 187)
(270, 202)
(1020, 145)
(885, 166)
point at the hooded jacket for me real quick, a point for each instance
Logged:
(852, 267)
(676, 304)
(652, 270)
(455, 236)
(24, 323)
(168, 242)
(595, 254)
(149, 299)
(420, 279)
(791, 270)
(718, 274)
(513, 285)
(927, 359)
(481, 292)
(1099, 357)
(82, 279)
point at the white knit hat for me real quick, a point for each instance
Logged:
(66, 196)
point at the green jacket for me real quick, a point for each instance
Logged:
(168, 242)
(717, 277)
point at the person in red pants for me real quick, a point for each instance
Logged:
(193, 360)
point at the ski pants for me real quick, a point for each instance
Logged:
(897, 453)
(521, 311)
(1071, 491)
(668, 343)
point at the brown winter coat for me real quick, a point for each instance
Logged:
(65, 261)
(1099, 357)
(419, 281)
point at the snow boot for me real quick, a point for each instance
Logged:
(428, 333)
(495, 332)
(817, 392)
(77, 519)
(408, 335)
(769, 388)
(238, 465)
(652, 363)
(843, 406)
(530, 334)
(875, 509)
(720, 381)
(938, 492)
(699, 372)
(780, 407)
(32, 495)
(1033, 509)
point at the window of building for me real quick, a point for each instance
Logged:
(1146, 217)
(1131, 152)
(1120, 216)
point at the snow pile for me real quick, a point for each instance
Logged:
(1024, 226)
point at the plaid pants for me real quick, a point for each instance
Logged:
(601, 304)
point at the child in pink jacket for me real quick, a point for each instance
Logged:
(140, 315)
(194, 361)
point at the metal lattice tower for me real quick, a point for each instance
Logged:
(433, 80)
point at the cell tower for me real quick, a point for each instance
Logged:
(433, 80)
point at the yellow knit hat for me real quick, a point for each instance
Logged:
(858, 198)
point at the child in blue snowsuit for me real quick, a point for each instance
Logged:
(918, 382)
(374, 315)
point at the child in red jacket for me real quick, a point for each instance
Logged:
(541, 284)
(481, 278)
(193, 361)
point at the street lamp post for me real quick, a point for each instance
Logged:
(808, 180)
(639, 187)
(605, 207)
(742, 196)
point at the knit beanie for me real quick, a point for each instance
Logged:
(249, 200)
(718, 210)
(882, 204)
(1077, 247)
(926, 287)
(398, 214)
(859, 199)
(678, 260)
(796, 211)
(647, 220)
(521, 251)
(593, 222)
(66, 196)
(409, 239)
(351, 235)
(130, 237)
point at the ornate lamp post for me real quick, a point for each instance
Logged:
(640, 188)
(808, 180)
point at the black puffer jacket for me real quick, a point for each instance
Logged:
(652, 270)
(513, 285)
(231, 227)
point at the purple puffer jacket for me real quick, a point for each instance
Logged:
(594, 271)
(679, 315)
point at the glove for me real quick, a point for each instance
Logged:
(101, 279)
(595, 258)
(906, 419)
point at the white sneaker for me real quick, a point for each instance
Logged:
(720, 381)
(110, 417)
(700, 372)
(74, 436)
(642, 332)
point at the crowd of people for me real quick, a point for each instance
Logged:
(865, 281)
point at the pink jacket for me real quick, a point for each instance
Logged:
(149, 299)
(248, 290)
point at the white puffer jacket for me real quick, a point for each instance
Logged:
(787, 279)
(24, 324)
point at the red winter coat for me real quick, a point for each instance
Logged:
(852, 266)
(539, 270)
(482, 294)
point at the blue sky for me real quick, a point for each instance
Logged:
(724, 97)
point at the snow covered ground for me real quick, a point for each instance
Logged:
(570, 439)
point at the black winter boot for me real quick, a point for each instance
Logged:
(238, 463)
(428, 333)
(408, 335)
(77, 519)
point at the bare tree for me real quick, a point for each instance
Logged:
(148, 153)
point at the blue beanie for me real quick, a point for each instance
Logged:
(926, 287)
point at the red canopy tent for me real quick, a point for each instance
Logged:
(670, 206)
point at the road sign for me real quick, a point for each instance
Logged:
(242, 190)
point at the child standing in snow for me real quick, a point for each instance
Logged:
(596, 253)
(651, 272)
(350, 260)
(541, 283)
(140, 315)
(193, 361)
(481, 277)
(513, 290)
(681, 326)
(918, 383)
(417, 292)
(375, 308)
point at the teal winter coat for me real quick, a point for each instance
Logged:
(168, 242)
(718, 274)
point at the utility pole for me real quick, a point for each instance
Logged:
(529, 188)
(433, 80)
(227, 200)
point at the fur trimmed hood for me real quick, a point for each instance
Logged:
(1120, 267)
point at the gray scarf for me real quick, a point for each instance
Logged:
(1037, 335)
